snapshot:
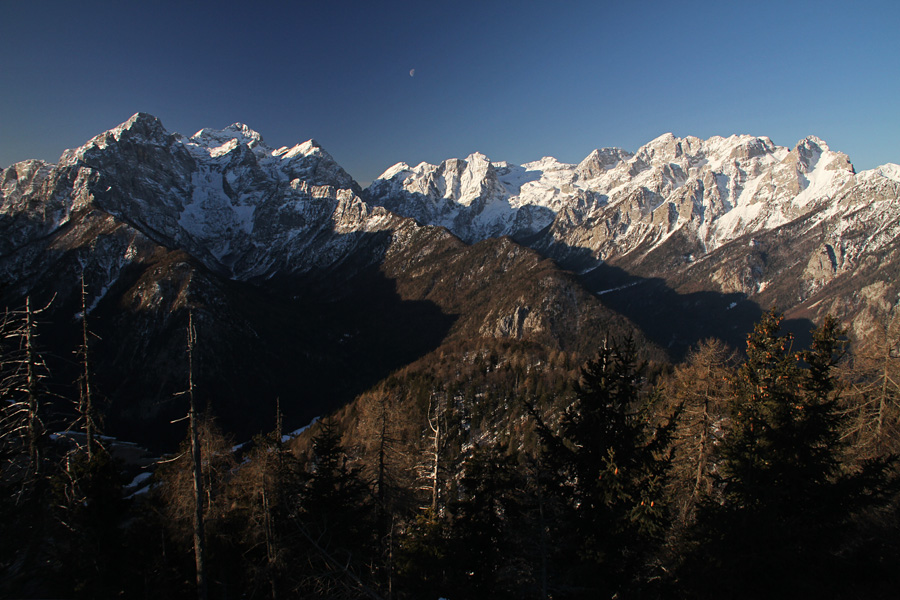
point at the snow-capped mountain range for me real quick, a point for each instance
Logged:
(299, 289)
(237, 203)
(282, 255)
(243, 208)
(797, 227)
(252, 212)
(615, 202)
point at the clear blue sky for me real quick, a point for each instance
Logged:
(514, 80)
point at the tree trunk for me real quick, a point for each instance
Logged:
(86, 403)
(199, 533)
(31, 386)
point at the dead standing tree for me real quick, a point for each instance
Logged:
(85, 393)
(24, 452)
(429, 470)
(199, 532)
(23, 371)
(197, 465)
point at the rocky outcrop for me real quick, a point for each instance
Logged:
(717, 190)
(297, 287)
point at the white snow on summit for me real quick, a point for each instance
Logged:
(720, 188)
(890, 171)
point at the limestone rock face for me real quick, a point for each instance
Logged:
(298, 288)
(716, 190)
(677, 237)
(735, 215)
(822, 265)
(223, 196)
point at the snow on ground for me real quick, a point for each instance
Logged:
(297, 432)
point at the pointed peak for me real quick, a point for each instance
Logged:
(243, 131)
(400, 167)
(662, 142)
(307, 148)
(238, 132)
(142, 118)
(477, 157)
(140, 126)
(664, 138)
(598, 162)
(812, 141)
(140, 123)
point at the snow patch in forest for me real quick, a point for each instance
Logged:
(297, 432)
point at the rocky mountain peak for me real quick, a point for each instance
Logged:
(310, 146)
(812, 143)
(307, 148)
(663, 148)
(141, 124)
(812, 152)
(141, 129)
(236, 133)
(221, 195)
(613, 202)
(599, 161)
(888, 171)
(151, 216)
(749, 147)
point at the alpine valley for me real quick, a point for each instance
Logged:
(306, 289)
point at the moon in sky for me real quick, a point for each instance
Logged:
(412, 72)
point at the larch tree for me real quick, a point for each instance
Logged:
(698, 393)
(871, 398)
(261, 503)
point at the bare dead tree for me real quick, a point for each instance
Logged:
(430, 469)
(85, 392)
(197, 467)
(23, 371)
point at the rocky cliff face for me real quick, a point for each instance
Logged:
(692, 213)
(306, 288)
(298, 288)
(614, 202)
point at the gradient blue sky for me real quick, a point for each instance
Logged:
(514, 80)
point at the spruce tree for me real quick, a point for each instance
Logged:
(607, 464)
(784, 500)
(485, 551)
(336, 521)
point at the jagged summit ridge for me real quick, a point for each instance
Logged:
(290, 276)
(251, 211)
(614, 201)
(224, 196)
(236, 133)
(696, 214)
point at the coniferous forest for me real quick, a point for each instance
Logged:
(494, 469)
